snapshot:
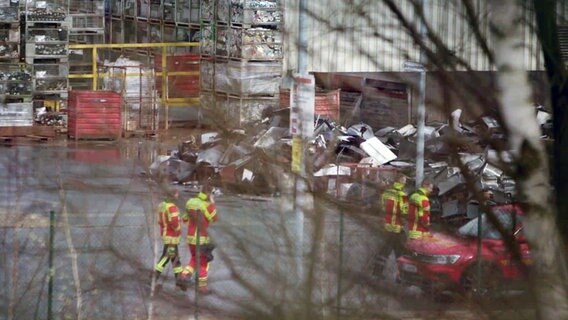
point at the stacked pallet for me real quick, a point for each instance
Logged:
(15, 83)
(87, 27)
(241, 59)
(153, 21)
(16, 110)
(87, 21)
(9, 31)
(15, 77)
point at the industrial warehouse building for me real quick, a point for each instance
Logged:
(138, 100)
(171, 59)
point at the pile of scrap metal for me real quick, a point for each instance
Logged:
(350, 164)
(257, 161)
(249, 162)
(366, 161)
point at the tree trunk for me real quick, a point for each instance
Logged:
(557, 77)
(532, 177)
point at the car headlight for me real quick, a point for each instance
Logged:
(441, 259)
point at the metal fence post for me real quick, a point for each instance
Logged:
(197, 262)
(340, 267)
(479, 220)
(339, 272)
(50, 263)
(165, 85)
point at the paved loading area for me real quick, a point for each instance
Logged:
(105, 246)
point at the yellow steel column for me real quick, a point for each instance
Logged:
(95, 70)
(165, 85)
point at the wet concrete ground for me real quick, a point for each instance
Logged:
(106, 243)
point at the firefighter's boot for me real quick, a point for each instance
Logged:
(181, 283)
(204, 290)
(178, 274)
(183, 280)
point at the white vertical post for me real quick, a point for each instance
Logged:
(301, 200)
(420, 133)
(302, 38)
(421, 105)
(302, 99)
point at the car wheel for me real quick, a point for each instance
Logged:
(484, 281)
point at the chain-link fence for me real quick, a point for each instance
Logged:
(104, 244)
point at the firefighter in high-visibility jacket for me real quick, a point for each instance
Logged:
(419, 212)
(170, 230)
(394, 202)
(200, 213)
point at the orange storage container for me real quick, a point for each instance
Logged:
(94, 115)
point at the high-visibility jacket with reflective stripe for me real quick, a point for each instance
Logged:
(168, 219)
(208, 215)
(395, 204)
(419, 214)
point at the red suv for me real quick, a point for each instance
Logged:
(450, 261)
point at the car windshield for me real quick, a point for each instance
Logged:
(488, 231)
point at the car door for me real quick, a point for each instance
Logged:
(513, 268)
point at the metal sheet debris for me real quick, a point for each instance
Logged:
(342, 159)
(378, 151)
(208, 137)
(271, 137)
(361, 130)
(407, 130)
(247, 175)
(211, 156)
(333, 170)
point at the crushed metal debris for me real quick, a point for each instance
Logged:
(349, 164)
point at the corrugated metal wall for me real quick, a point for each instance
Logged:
(365, 35)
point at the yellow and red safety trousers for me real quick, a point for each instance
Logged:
(419, 214)
(395, 205)
(208, 216)
(169, 221)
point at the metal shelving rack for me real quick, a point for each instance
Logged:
(15, 78)
(129, 8)
(50, 78)
(9, 32)
(47, 28)
(15, 83)
(88, 26)
(46, 42)
(169, 11)
(156, 11)
(207, 48)
(116, 9)
(241, 59)
(87, 21)
(154, 21)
